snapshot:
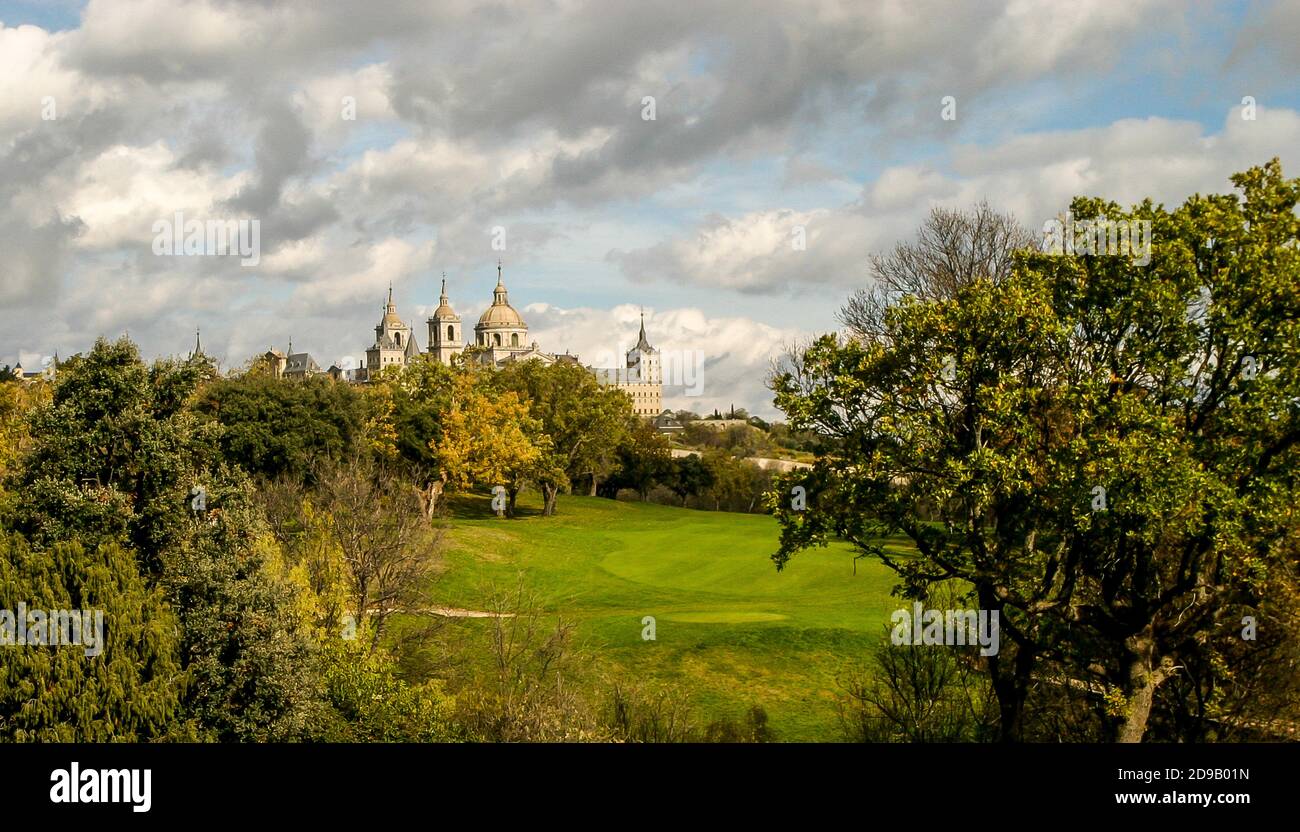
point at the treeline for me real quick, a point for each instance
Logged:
(467, 427)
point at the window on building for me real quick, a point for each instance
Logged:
(514, 339)
(451, 334)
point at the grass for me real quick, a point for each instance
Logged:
(731, 631)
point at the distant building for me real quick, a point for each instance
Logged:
(48, 372)
(346, 373)
(394, 342)
(641, 378)
(276, 361)
(666, 422)
(721, 424)
(300, 365)
(500, 338)
(445, 337)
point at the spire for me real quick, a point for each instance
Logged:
(390, 307)
(499, 295)
(443, 298)
(642, 343)
(198, 348)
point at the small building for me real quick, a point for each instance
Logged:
(300, 365)
(349, 374)
(666, 422)
(275, 361)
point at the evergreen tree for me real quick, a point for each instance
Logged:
(130, 691)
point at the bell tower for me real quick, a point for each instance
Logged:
(445, 336)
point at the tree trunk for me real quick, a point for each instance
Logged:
(1144, 676)
(510, 506)
(549, 493)
(430, 496)
(1010, 684)
(592, 493)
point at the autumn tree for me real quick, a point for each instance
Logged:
(488, 438)
(583, 422)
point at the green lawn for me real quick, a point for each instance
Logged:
(731, 630)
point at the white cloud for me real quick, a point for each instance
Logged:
(123, 191)
(736, 351)
(1032, 176)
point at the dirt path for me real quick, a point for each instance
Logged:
(453, 612)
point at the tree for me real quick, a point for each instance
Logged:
(583, 422)
(271, 426)
(488, 438)
(952, 249)
(118, 458)
(375, 521)
(115, 453)
(690, 477)
(17, 403)
(246, 643)
(1106, 447)
(643, 460)
(129, 691)
(735, 484)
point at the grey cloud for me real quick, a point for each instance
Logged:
(33, 258)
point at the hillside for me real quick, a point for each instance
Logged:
(730, 630)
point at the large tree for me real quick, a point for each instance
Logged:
(1103, 449)
(488, 438)
(584, 422)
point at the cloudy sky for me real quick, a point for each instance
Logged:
(531, 118)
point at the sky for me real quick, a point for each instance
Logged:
(390, 143)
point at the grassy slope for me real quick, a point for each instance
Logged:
(731, 630)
